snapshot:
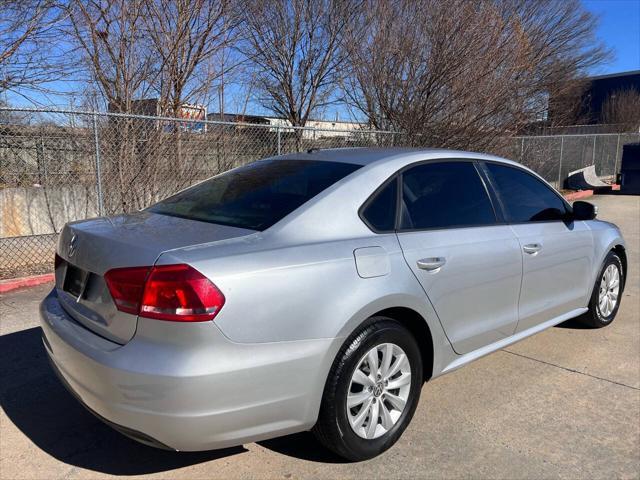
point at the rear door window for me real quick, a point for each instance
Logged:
(444, 195)
(257, 195)
(525, 198)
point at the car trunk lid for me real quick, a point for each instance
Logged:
(89, 248)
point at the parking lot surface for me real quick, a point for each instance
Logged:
(562, 404)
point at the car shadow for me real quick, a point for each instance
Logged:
(37, 403)
(574, 324)
(303, 446)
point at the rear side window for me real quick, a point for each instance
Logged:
(446, 194)
(380, 213)
(524, 197)
(257, 195)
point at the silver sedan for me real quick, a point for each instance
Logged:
(317, 291)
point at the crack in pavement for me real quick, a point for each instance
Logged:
(571, 370)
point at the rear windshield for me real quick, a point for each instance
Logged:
(257, 195)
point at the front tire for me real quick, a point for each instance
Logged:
(607, 291)
(372, 390)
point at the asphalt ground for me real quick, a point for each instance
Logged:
(562, 404)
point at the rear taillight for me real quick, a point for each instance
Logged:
(180, 293)
(126, 286)
(165, 292)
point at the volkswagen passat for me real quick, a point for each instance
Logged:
(317, 291)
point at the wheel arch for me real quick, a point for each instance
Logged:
(415, 315)
(619, 250)
(418, 326)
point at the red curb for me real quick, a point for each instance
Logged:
(577, 195)
(13, 283)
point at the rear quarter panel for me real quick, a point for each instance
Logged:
(308, 291)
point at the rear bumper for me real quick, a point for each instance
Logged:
(138, 436)
(186, 386)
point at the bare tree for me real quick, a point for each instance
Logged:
(189, 38)
(113, 46)
(296, 49)
(463, 74)
(622, 108)
(27, 59)
(567, 103)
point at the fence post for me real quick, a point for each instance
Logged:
(43, 181)
(522, 151)
(593, 157)
(98, 166)
(278, 127)
(615, 163)
(560, 162)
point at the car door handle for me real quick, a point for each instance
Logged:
(532, 248)
(432, 263)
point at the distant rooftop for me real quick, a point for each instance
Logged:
(615, 75)
(248, 118)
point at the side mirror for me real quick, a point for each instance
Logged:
(584, 211)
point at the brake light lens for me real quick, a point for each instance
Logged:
(126, 286)
(177, 293)
(180, 293)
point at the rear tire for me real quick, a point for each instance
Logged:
(606, 295)
(355, 392)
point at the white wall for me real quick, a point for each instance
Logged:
(34, 211)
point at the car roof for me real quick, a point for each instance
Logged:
(367, 156)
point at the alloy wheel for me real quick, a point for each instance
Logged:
(609, 290)
(378, 391)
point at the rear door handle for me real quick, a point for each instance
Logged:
(532, 248)
(432, 263)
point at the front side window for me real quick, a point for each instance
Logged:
(257, 195)
(444, 194)
(524, 197)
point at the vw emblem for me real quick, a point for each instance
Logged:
(73, 245)
(378, 389)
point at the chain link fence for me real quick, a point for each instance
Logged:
(555, 156)
(60, 166)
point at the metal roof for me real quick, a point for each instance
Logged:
(366, 156)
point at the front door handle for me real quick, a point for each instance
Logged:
(432, 263)
(532, 248)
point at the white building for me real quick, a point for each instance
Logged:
(315, 129)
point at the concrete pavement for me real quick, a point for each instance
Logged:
(562, 404)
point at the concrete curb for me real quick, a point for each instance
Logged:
(586, 193)
(13, 283)
(578, 195)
